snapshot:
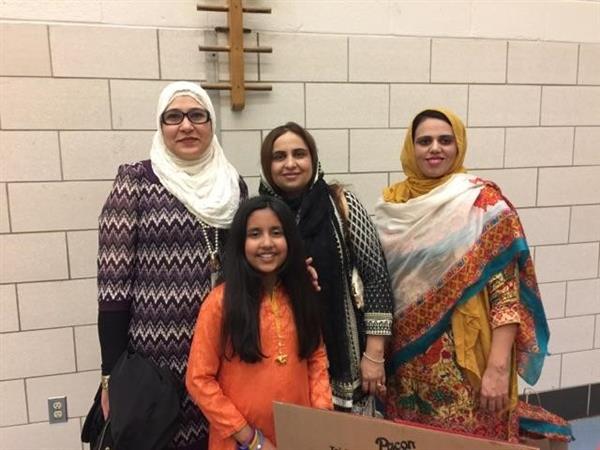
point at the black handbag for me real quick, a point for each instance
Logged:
(96, 431)
(144, 403)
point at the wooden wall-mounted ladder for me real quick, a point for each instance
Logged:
(236, 50)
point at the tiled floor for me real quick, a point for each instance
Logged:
(587, 434)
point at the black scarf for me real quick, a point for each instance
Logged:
(315, 216)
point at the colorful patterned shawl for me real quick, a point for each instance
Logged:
(441, 249)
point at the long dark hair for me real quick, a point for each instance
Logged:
(243, 287)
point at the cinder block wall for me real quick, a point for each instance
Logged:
(78, 88)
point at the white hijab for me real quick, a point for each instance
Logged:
(208, 187)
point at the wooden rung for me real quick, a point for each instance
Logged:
(226, 30)
(256, 10)
(217, 8)
(224, 48)
(258, 50)
(225, 86)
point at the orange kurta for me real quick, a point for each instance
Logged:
(232, 393)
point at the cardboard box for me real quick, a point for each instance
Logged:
(546, 444)
(301, 428)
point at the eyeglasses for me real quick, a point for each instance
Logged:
(194, 115)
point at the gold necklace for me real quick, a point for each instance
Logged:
(281, 357)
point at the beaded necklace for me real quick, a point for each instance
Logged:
(214, 264)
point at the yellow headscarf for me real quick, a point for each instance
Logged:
(416, 183)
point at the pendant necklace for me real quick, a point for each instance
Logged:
(214, 264)
(281, 357)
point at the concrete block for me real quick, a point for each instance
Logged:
(242, 149)
(60, 436)
(540, 146)
(566, 262)
(485, 148)
(375, 150)
(50, 206)
(406, 101)
(33, 257)
(586, 146)
(545, 226)
(554, 299)
(265, 110)
(468, 61)
(504, 105)
(567, 105)
(389, 59)
(83, 251)
(581, 368)
(578, 185)
(48, 352)
(589, 64)
(519, 185)
(366, 186)
(104, 52)
(304, 57)
(9, 310)
(583, 297)
(57, 303)
(24, 50)
(180, 58)
(333, 149)
(542, 62)
(79, 388)
(29, 156)
(96, 155)
(585, 223)
(13, 404)
(50, 103)
(4, 218)
(347, 105)
(134, 104)
(571, 334)
(87, 347)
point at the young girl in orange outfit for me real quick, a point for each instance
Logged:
(257, 338)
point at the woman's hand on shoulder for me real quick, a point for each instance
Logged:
(312, 272)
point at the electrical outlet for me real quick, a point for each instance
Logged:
(57, 409)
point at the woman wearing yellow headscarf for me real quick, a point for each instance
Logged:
(467, 315)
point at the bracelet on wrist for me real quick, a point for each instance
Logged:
(258, 442)
(245, 445)
(374, 360)
(104, 382)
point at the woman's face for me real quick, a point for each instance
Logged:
(187, 140)
(266, 246)
(435, 147)
(291, 164)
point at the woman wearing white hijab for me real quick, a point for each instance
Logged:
(160, 235)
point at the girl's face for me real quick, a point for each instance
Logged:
(291, 164)
(435, 147)
(266, 246)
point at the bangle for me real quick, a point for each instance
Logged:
(246, 444)
(258, 442)
(373, 360)
(104, 382)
